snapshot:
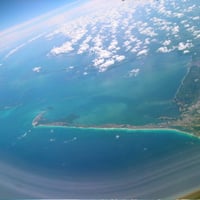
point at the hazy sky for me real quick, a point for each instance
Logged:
(13, 12)
(21, 19)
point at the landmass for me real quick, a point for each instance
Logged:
(37, 120)
(187, 98)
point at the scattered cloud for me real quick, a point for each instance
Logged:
(119, 58)
(107, 35)
(186, 51)
(103, 67)
(167, 42)
(165, 49)
(71, 67)
(183, 46)
(37, 69)
(65, 48)
(134, 72)
(83, 48)
(143, 52)
(175, 30)
(106, 31)
(85, 73)
(98, 62)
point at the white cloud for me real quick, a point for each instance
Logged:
(143, 52)
(103, 67)
(105, 21)
(127, 43)
(102, 53)
(88, 39)
(198, 36)
(78, 34)
(65, 48)
(196, 18)
(186, 25)
(149, 31)
(167, 42)
(178, 15)
(184, 21)
(101, 34)
(36, 69)
(186, 51)
(175, 30)
(134, 50)
(134, 72)
(183, 46)
(147, 41)
(15, 50)
(108, 63)
(119, 58)
(71, 67)
(132, 38)
(35, 38)
(83, 48)
(128, 48)
(113, 45)
(191, 29)
(98, 41)
(137, 46)
(190, 8)
(164, 49)
(98, 62)
(85, 73)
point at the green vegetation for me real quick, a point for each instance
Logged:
(188, 99)
(189, 91)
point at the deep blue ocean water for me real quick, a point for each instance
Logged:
(95, 152)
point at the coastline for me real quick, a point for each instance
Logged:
(107, 127)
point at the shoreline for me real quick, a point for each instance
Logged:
(106, 128)
(36, 123)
